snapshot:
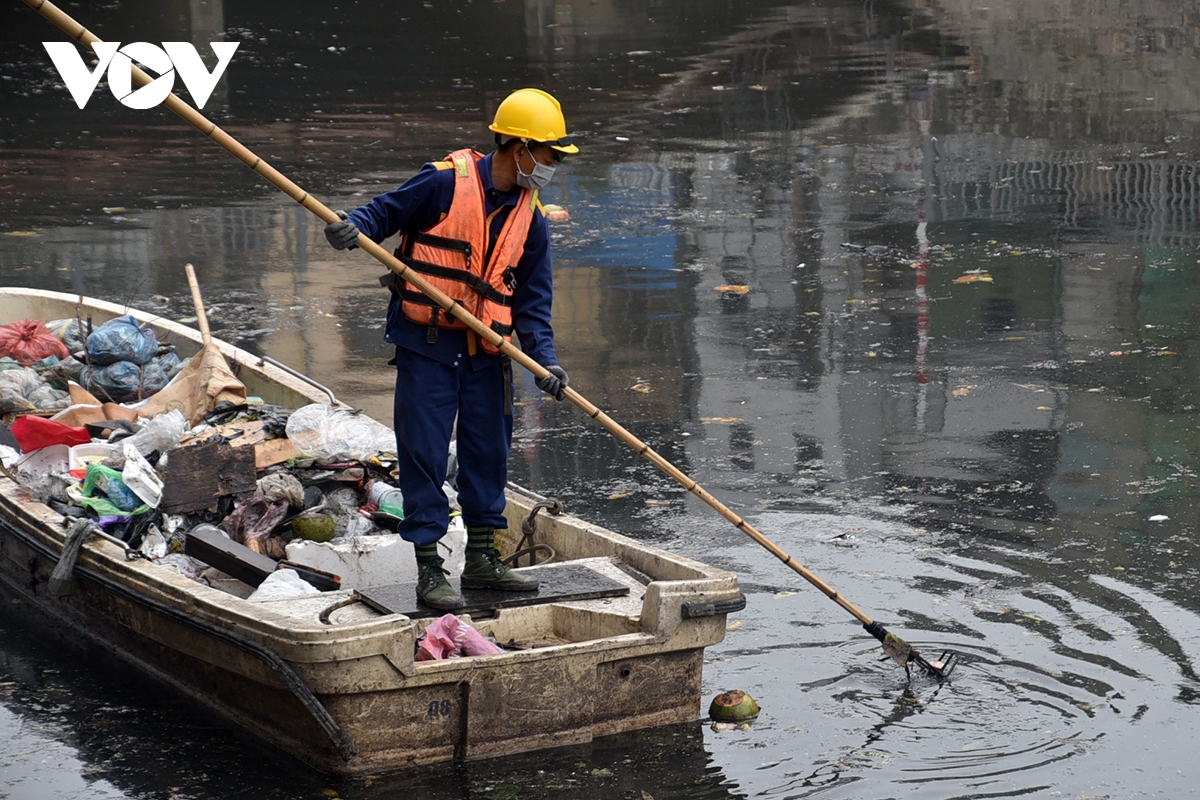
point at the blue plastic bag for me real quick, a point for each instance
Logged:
(125, 381)
(121, 339)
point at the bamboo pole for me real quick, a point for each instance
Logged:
(197, 120)
(198, 301)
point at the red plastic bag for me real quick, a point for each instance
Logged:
(29, 340)
(34, 433)
(450, 637)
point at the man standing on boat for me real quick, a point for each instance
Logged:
(472, 225)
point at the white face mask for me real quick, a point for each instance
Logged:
(539, 178)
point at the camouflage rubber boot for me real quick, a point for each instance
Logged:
(433, 589)
(483, 568)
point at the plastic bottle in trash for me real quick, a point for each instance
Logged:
(388, 501)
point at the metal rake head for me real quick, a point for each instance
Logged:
(906, 655)
(939, 669)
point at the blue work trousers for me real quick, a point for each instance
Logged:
(428, 396)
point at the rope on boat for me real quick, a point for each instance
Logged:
(347, 601)
(528, 546)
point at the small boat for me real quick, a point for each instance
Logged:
(335, 682)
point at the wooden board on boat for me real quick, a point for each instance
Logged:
(557, 583)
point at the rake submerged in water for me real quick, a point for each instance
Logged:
(896, 648)
(905, 654)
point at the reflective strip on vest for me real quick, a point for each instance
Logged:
(450, 256)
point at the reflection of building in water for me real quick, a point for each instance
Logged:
(1083, 191)
(1065, 70)
(820, 362)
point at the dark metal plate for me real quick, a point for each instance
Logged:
(556, 583)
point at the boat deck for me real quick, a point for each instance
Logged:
(627, 608)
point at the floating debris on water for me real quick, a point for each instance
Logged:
(978, 276)
(733, 706)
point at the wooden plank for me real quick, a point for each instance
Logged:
(237, 433)
(196, 476)
(237, 560)
(240, 434)
(274, 451)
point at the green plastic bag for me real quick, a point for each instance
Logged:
(103, 507)
(108, 481)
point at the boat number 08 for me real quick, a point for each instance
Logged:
(440, 708)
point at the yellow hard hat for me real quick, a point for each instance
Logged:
(534, 115)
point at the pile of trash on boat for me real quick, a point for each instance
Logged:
(172, 460)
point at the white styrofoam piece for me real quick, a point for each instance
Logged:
(53, 458)
(84, 454)
(140, 477)
(375, 560)
(9, 455)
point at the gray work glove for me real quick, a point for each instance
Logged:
(342, 235)
(554, 383)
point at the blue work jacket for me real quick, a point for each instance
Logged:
(419, 204)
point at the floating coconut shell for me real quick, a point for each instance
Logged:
(735, 706)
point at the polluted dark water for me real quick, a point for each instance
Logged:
(912, 286)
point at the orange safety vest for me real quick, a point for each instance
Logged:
(450, 255)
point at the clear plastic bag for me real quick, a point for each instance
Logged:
(322, 431)
(183, 565)
(342, 504)
(357, 525)
(159, 434)
(25, 390)
(69, 332)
